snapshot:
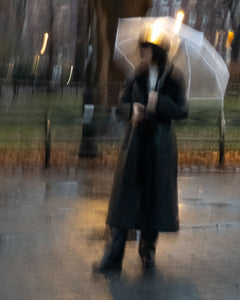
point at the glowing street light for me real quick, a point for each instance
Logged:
(179, 20)
(44, 44)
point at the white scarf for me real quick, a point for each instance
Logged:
(153, 76)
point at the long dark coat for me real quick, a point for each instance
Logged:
(144, 193)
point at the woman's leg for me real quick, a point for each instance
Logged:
(114, 251)
(147, 247)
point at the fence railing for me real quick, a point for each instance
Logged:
(41, 129)
(233, 89)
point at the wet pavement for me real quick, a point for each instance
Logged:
(52, 228)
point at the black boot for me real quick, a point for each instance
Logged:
(147, 253)
(114, 252)
(147, 249)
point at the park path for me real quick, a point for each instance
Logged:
(52, 227)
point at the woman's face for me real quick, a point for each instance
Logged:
(146, 54)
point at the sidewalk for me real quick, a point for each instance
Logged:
(52, 229)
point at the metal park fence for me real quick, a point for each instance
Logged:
(40, 129)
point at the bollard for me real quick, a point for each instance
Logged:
(47, 141)
(222, 128)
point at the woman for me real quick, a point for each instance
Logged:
(144, 194)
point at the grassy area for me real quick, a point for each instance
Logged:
(23, 121)
(198, 136)
(25, 117)
(232, 115)
(201, 129)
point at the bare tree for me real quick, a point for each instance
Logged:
(18, 13)
(5, 23)
(53, 7)
(50, 45)
(103, 18)
(234, 9)
(199, 6)
(107, 13)
(81, 40)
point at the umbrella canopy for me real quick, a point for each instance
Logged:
(206, 74)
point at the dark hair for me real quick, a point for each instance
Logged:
(159, 56)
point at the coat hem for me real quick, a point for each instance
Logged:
(158, 228)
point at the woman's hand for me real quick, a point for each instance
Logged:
(152, 102)
(138, 112)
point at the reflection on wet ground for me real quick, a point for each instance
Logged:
(52, 227)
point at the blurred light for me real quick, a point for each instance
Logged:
(229, 39)
(216, 39)
(155, 34)
(44, 45)
(35, 64)
(179, 19)
(70, 75)
(10, 70)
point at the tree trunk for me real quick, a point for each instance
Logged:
(50, 48)
(185, 8)
(107, 13)
(81, 40)
(236, 45)
(198, 8)
(234, 68)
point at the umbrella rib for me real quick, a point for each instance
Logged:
(210, 68)
(215, 98)
(122, 52)
(190, 72)
(132, 65)
(193, 42)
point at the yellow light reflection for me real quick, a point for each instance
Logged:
(229, 39)
(216, 39)
(44, 44)
(10, 70)
(70, 75)
(179, 20)
(155, 34)
(35, 64)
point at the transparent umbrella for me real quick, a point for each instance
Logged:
(206, 74)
